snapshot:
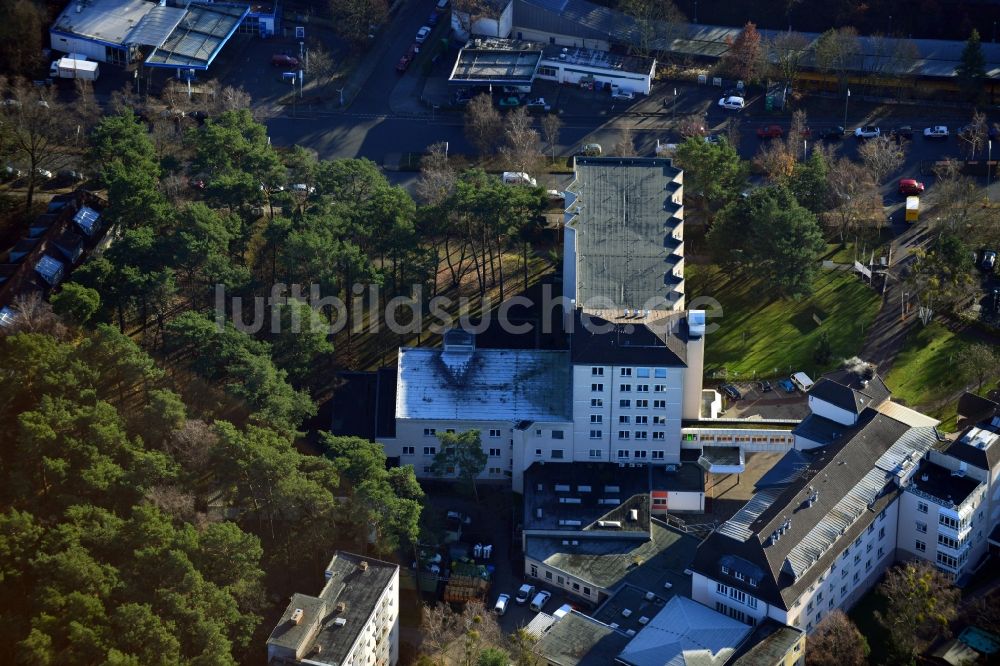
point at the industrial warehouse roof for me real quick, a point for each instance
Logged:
(106, 21)
(625, 212)
(154, 28)
(501, 61)
(587, 20)
(685, 633)
(199, 36)
(483, 385)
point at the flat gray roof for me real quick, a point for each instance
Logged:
(578, 640)
(613, 62)
(624, 215)
(609, 562)
(107, 21)
(484, 385)
(500, 61)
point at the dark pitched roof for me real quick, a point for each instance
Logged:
(976, 408)
(979, 445)
(851, 389)
(845, 470)
(819, 429)
(659, 343)
(579, 640)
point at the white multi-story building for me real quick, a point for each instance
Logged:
(353, 622)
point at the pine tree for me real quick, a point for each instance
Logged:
(972, 68)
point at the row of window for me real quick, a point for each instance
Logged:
(657, 435)
(640, 454)
(627, 388)
(736, 595)
(642, 373)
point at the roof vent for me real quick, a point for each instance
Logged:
(363, 565)
(340, 621)
(626, 612)
(297, 616)
(341, 607)
(630, 632)
(924, 477)
(649, 596)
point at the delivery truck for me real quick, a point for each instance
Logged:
(912, 209)
(74, 68)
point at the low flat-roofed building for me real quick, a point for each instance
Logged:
(579, 640)
(771, 644)
(501, 62)
(592, 566)
(629, 609)
(354, 621)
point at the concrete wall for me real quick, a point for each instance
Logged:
(676, 501)
(831, 411)
(94, 51)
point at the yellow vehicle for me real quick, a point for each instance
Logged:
(912, 209)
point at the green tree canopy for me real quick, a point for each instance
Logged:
(461, 456)
(714, 174)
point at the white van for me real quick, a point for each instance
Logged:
(802, 381)
(518, 178)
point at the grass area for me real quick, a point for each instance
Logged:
(923, 375)
(761, 335)
(863, 615)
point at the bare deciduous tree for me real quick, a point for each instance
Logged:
(690, 126)
(855, 202)
(881, 156)
(731, 130)
(551, 125)
(922, 601)
(625, 146)
(520, 150)
(797, 133)
(33, 314)
(787, 50)
(469, 12)
(437, 176)
(975, 134)
(979, 362)
(482, 123)
(776, 160)
(658, 23)
(837, 52)
(320, 63)
(837, 642)
(192, 445)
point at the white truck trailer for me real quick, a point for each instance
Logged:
(74, 68)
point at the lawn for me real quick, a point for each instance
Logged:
(924, 376)
(762, 335)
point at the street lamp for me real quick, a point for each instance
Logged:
(989, 158)
(673, 109)
(340, 91)
(846, 100)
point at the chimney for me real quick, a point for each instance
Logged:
(363, 565)
(297, 616)
(341, 607)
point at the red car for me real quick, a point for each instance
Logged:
(404, 62)
(910, 187)
(284, 60)
(770, 132)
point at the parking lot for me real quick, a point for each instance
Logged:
(774, 404)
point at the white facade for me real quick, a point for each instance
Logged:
(830, 411)
(553, 577)
(571, 72)
(749, 440)
(627, 413)
(855, 570)
(378, 642)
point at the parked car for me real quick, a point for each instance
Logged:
(867, 132)
(832, 133)
(902, 132)
(501, 605)
(11, 172)
(284, 60)
(70, 175)
(787, 386)
(510, 102)
(989, 260)
(623, 96)
(302, 187)
(764, 387)
(802, 381)
(538, 104)
(731, 391)
(936, 132)
(44, 173)
(910, 187)
(733, 102)
(562, 611)
(770, 132)
(422, 34)
(524, 593)
(404, 62)
(591, 150)
(715, 139)
(538, 603)
(441, 5)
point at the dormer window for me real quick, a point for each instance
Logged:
(738, 575)
(725, 569)
(753, 582)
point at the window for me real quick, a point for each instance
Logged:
(857, 559)
(857, 576)
(659, 404)
(642, 420)
(586, 590)
(642, 404)
(596, 402)
(560, 580)
(881, 551)
(494, 432)
(809, 607)
(881, 515)
(809, 627)
(921, 547)
(871, 528)
(659, 434)
(847, 552)
(623, 434)
(881, 533)
(596, 418)
(625, 403)
(495, 471)
(659, 420)
(922, 507)
(409, 450)
(868, 565)
(622, 453)
(538, 452)
(623, 418)
(657, 455)
(597, 372)
(557, 434)
(843, 573)
(947, 560)
(660, 373)
(557, 454)
(869, 548)
(819, 616)
(843, 590)
(642, 373)
(595, 434)
(595, 453)
(922, 527)
(494, 453)
(625, 388)
(597, 388)
(830, 604)
(450, 431)
(626, 372)
(857, 542)
(639, 454)
(752, 581)
(738, 575)
(660, 388)
(576, 586)
(642, 388)
(819, 598)
(948, 542)
(430, 450)
(548, 575)
(948, 521)
(725, 570)
(641, 434)
(430, 432)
